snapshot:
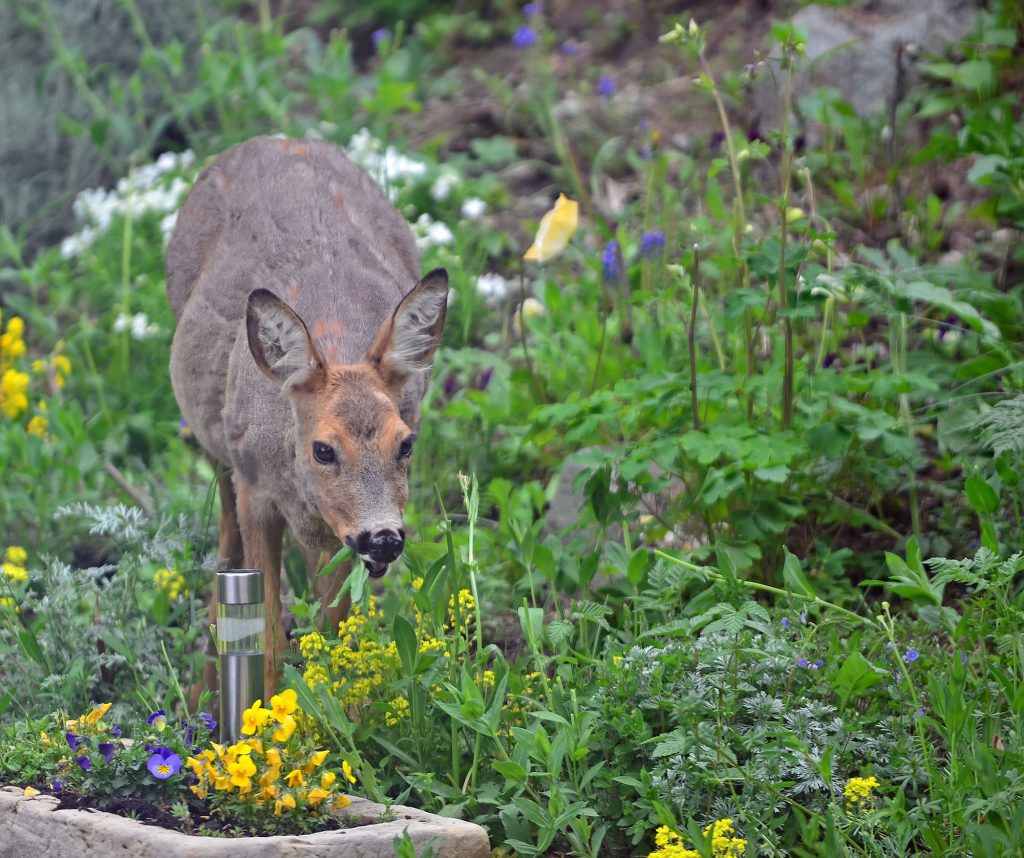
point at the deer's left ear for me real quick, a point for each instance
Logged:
(406, 343)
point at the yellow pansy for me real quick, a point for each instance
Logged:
(286, 800)
(273, 757)
(31, 791)
(556, 228)
(347, 771)
(284, 704)
(254, 717)
(316, 795)
(294, 778)
(97, 713)
(327, 779)
(284, 732)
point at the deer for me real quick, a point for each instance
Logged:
(304, 342)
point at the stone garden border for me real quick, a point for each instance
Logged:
(33, 827)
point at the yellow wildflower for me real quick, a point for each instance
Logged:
(241, 771)
(294, 778)
(16, 554)
(555, 229)
(273, 757)
(14, 393)
(171, 582)
(398, 710)
(38, 425)
(341, 801)
(311, 644)
(723, 844)
(327, 779)
(859, 789)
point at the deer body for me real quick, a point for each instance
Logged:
(303, 348)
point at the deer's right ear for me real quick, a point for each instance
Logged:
(279, 341)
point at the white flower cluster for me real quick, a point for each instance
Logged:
(139, 325)
(385, 164)
(431, 233)
(493, 288)
(144, 189)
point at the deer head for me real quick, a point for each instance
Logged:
(352, 446)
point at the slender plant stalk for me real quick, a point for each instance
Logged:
(691, 339)
(787, 323)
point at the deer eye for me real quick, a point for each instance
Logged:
(405, 448)
(323, 453)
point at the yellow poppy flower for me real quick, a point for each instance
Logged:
(556, 228)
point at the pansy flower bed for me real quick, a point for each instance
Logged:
(170, 772)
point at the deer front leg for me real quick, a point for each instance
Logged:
(262, 530)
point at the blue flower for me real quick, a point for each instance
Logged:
(610, 261)
(84, 762)
(208, 721)
(158, 720)
(785, 622)
(803, 617)
(802, 662)
(106, 750)
(531, 9)
(163, 764)
(525, 37)
(911, 655)
(820, 663)
(381, 36)
(116, 731)
(651, 244)
(570, 49)
(57, 786)
(606, 86)
(73, 740)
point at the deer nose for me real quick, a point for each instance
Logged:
(384, 546)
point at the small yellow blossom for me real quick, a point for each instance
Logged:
(398, 711)
(316, 795)
(294, 778)
(286, 800)
(327, 779)
(555, 229)
(285, 729)
(38, 425)
(170, 581)
(859, 789)
(97, 713)
(346, 770)
(14, 393)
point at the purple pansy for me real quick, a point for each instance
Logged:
(106, 750)
(57, 786)
(84, 763)
(158, 720)
(525, 37)
(163, 763)
(73, 740)
(116, 731)
(208, 721)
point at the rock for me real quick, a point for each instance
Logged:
(34, 826)
(861, 50)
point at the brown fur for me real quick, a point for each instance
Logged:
(292, 279)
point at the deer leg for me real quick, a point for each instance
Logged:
(262, 532)
(229, 556)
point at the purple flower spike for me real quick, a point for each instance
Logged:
(651, 244)
(610, 261)
(606, 86)
(106, 750)
(163, 764)
(525, 37)
(73, 740)
(911, 655)
(84, 763)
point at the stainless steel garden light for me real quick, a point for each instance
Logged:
(241, 638)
